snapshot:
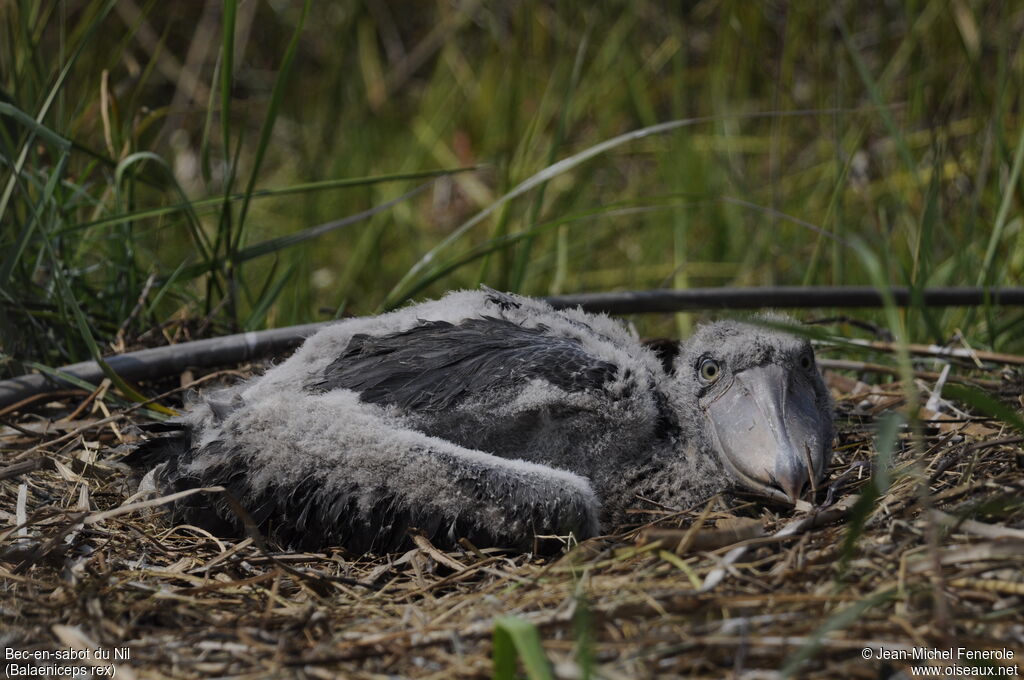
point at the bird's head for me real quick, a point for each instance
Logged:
(761, 404)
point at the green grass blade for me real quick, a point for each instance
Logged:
(985, 403)
(40, 130)
(985, 275)
(892, 317)
(227, 72)
(523, 256)
(877, 486)
(58, 85)
(280, 243)
(876, 96)
(14, 255)
(45, 133)
(70, 302)
(276, 96)
(208, 205)
(514, 637)
(166, 286)
(505, 241)
(154, 411)
(205, 146)
(195, 227)
(267, 298)
(583, 625)
(225, 241)
(838, 621)
(289, 240)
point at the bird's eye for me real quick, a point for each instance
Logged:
(710, 370)
(806, 361)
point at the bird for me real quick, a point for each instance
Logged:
(495, 418)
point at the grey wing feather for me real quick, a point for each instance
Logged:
(436, 364)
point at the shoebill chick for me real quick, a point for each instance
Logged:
(497, 418)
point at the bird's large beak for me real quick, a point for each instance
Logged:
(770, 431)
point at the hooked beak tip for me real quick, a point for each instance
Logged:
(793, 486)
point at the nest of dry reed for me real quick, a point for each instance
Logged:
(728, 589)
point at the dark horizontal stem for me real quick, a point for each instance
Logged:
(157, 362)
(153, 363)
(780, 297)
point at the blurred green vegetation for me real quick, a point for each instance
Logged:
(179, 154)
